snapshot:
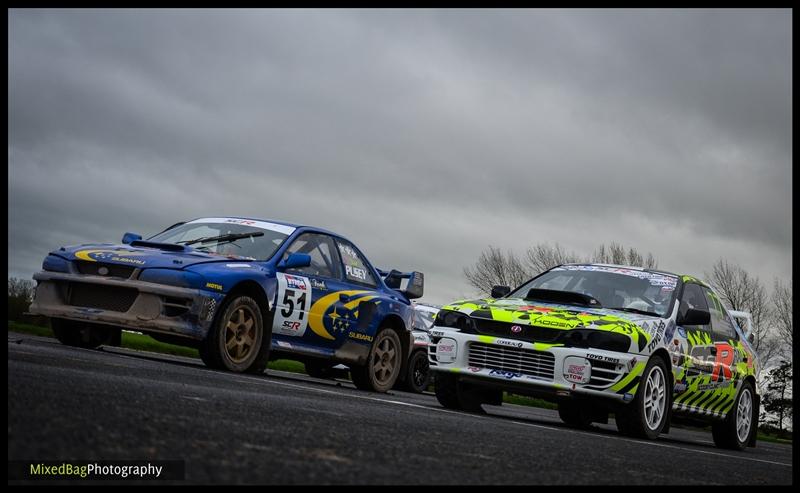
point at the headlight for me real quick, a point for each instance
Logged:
(589, 338)
(454, 319)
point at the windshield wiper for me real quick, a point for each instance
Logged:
(229, 238)
(636, 310)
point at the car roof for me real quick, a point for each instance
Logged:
(631, 267)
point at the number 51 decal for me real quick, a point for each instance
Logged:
(291, 310)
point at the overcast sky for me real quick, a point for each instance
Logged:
(423, 136)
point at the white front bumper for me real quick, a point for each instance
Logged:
(543, 367)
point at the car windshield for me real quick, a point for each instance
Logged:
(617, 288)
(236, 238)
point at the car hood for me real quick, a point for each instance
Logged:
(641, 328)
(141, 254)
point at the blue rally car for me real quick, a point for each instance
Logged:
(243, 291)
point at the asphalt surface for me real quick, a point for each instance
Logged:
(68, 404)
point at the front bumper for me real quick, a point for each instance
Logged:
(126, 303)
(535, 369)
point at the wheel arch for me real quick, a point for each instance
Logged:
(253, 290)
(396, 323)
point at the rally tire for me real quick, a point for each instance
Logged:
(574, 415)
(646, 416)
(738, 427)
(206, 357)
(446, 389)
(85, 335)
(383, 364)
(418, 374)
(452, 394)
(239, 340)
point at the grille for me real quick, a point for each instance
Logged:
(530, 333)
(175, 307)
(432, 355)
(604, 373)
(525, 361)
(114, 270)
(110, 298)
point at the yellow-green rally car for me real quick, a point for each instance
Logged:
(646, 345)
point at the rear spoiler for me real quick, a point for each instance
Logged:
(414, 286)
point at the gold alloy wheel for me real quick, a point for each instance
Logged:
(384, 360)
(240, 334)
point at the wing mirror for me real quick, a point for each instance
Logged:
(695, 316)
(127, 238)
(500, 291)
(295, 261)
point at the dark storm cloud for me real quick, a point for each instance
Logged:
(422, 135)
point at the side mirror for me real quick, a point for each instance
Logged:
(695, 316)
(500, 291)
(295, 261)
(127, 238)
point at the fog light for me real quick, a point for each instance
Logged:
(446, 350)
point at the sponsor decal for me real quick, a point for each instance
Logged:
(118, 255)
(295, 282)
(356, 272)
(680, 387)
(627, 397)
(712, 386)
(280, 228)
(657, 331)
(339, 324)
(600, 357)
(505, 374)
(318, 284)
(474, 369)
(506, 342)
(561, 324)
(577, 370)
(516, 329)
(421, 338)
(284, 344)
(446, 350)
(437, 333)
(238, 266)
(290, 326)
(359, 336)
(682, 332)
(293, 298)
(213, 285)
(128, 260)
